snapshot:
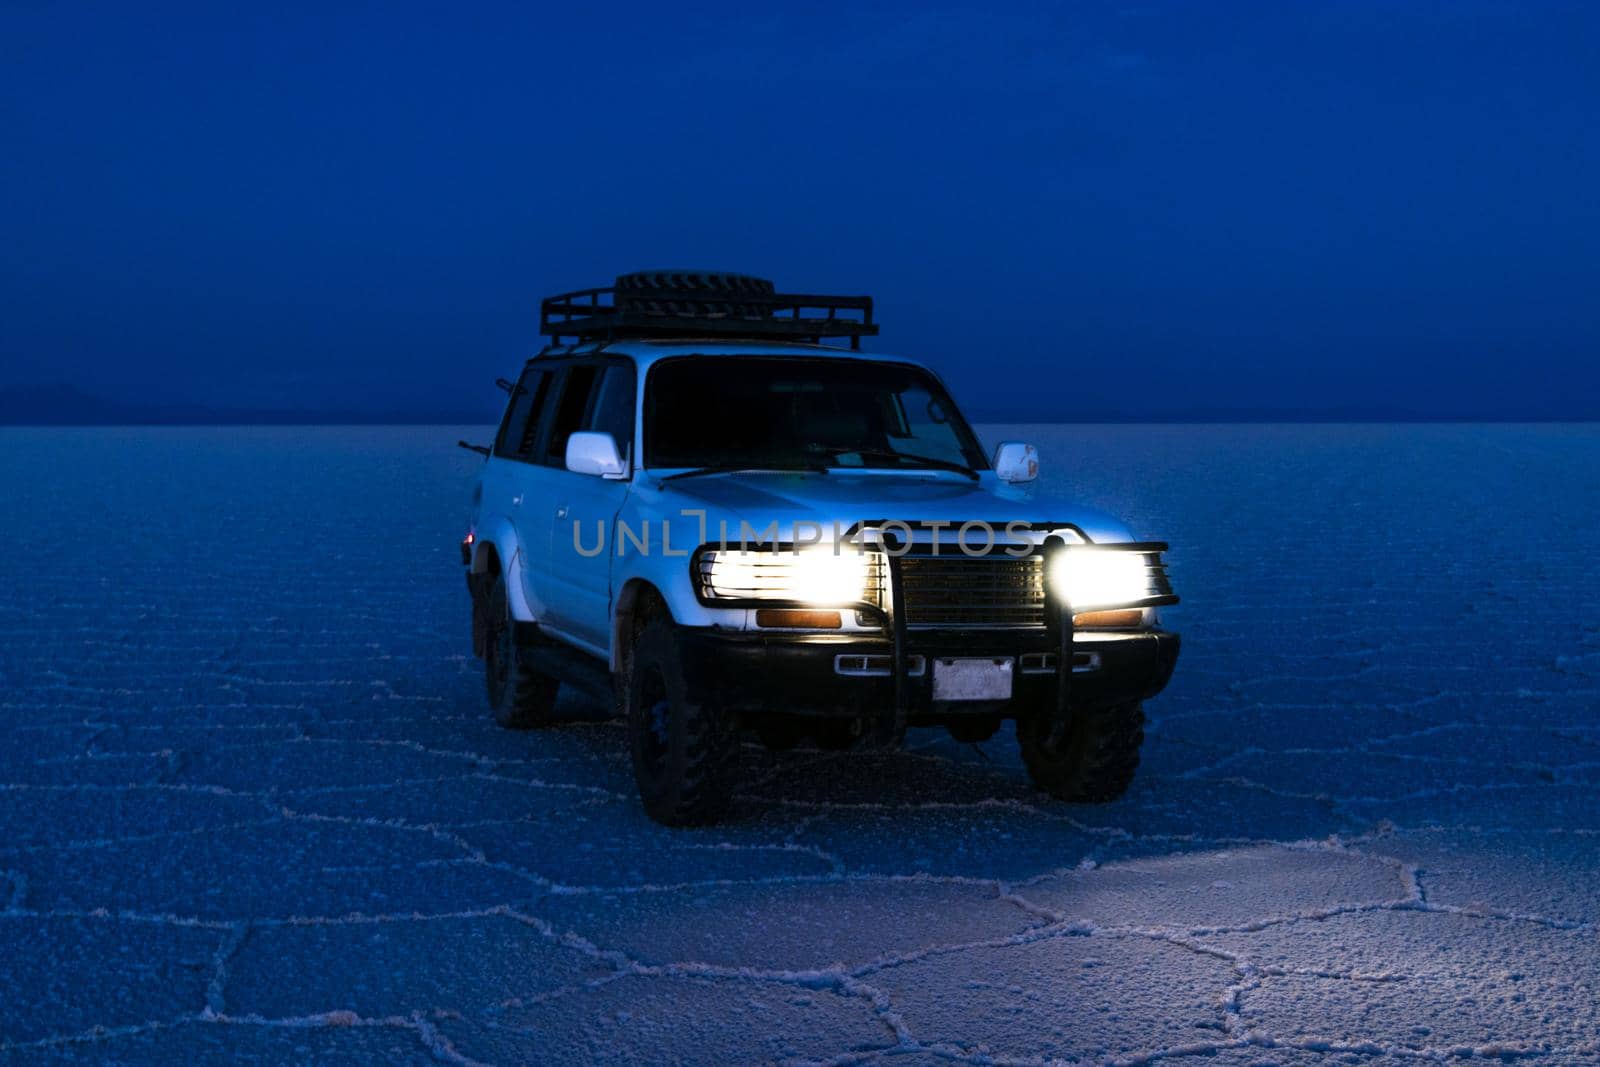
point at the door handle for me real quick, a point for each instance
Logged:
(561, 512)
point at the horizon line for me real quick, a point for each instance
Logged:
(1263, 420)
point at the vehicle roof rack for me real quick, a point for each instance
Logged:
(702, 304)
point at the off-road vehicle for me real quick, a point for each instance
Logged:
(699, 509)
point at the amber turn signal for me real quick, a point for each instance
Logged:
(1109, 620)
(797, 619)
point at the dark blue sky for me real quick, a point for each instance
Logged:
(1139, 208)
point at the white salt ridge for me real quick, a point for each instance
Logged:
(251, 805)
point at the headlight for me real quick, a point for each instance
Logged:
(812, 575)
(1090, 577)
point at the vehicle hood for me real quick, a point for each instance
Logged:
(847, 497)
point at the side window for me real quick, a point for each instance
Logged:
(613, 406)
(520, 426)
(569, 411)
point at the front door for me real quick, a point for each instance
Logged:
(584, 507)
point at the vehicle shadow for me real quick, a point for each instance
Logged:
(938, 806)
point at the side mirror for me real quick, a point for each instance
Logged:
(1015, 461)
(595, 453)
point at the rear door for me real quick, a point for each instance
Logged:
(505, 476)
(521, 482)
(583, 520)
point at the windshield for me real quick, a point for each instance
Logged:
(796, 413)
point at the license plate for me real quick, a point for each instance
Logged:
(972, 679)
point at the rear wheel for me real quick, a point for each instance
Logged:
(1096, 759)
(521, 697)
(685, 753)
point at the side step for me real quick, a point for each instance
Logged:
(560, 660)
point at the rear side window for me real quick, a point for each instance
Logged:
(569, 411)
(521, 425)
(613, 406)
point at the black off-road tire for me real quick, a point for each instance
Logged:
(521, 697)
(685, 753)
(694, 293)
(1095, 761)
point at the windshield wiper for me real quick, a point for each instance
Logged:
(735, 468)
(888, 453)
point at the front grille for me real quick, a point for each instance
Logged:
(997, 590)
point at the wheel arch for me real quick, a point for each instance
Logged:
(497, 551)
(485, 559)
(637, 601)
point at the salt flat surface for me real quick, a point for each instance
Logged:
(252, 808)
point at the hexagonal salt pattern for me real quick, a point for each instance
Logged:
(252, 809)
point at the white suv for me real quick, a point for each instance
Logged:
(697, 508)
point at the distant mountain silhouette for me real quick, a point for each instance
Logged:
(67, 405)
(1375, 413)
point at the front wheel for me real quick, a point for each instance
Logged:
(521, 697)
(1096, 759)
(685, 753)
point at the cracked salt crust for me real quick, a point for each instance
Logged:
(245, 820)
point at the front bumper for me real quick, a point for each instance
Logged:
(799, 674)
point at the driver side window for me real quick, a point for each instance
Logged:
(927, 427)
(613, 407)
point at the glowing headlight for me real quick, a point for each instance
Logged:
(812, 575)
(1099, 578)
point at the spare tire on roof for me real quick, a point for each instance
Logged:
(695, 294)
